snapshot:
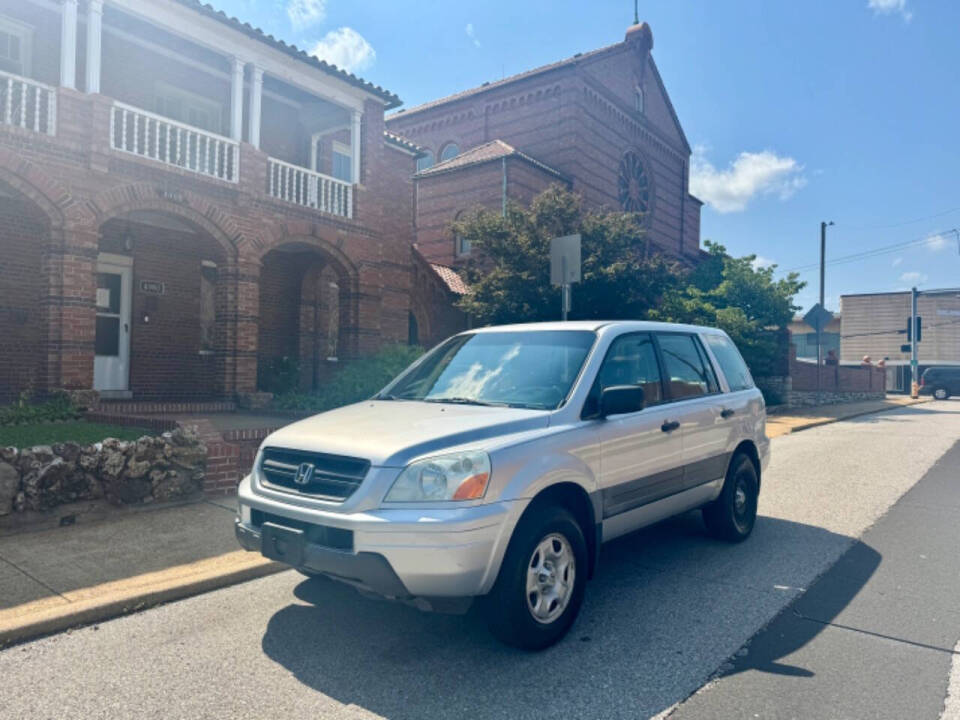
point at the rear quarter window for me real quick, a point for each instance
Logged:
(730, 361)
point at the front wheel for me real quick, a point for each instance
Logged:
(541, 584)
(732, 516)
(941, 394)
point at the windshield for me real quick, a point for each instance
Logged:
(514, 369)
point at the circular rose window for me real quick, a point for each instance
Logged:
(634, 185)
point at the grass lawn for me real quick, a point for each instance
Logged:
(75, 430)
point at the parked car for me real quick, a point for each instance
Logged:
(495, 466)
(941, 382)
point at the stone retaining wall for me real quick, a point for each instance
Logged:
(165, 467)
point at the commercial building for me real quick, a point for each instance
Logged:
(875, 324)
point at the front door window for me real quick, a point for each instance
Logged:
(112, 339)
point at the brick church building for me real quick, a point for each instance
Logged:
(189, 206)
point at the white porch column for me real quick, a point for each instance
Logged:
(314, 139)
(94, 33)
(256, 103)
(355, 146)
(68, 44)
(236, 99)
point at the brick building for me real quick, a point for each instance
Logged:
(190, 209)
(600, 122)
(184, 200)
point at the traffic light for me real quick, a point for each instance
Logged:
(919, 329)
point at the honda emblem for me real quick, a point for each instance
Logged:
(304, 474)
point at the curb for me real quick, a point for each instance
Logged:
(819, 422)
(103, 602)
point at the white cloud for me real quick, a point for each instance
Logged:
(888, 7)
(897, 261)
(749, 175)
(762, 262)
(345, 48)
(306, 13)
(472, 35)
(914, 278)
(939, 242)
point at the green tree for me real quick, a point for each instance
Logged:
(510, 277)
(742, 299)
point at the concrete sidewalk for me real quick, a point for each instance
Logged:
(55, 579)
(788, 421)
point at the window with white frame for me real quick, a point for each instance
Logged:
(342, 165)
(16, 40)
(189, 108)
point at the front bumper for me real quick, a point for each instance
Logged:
(397, 552)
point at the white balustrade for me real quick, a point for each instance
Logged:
(28, 104)
(301, 186)
(143, 133)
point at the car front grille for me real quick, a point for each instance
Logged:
(333, 477)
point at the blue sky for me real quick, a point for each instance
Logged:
(842, 110)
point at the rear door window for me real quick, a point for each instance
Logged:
(730, 361)
(687, 372)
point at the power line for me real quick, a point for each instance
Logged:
(876, 252)
(903, 222)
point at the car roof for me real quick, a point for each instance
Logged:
(597, 326)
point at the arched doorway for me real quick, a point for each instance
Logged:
(161, 308)
(306, 318)
(24, 234)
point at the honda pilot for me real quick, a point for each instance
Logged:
(496, 465)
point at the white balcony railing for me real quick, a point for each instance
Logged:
(28, 104)
(142, 133)
(308, 188)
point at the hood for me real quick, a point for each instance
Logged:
(391, 433)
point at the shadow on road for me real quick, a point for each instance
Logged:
(667, 607)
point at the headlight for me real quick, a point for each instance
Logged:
(459, 476)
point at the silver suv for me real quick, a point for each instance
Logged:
(496, 465)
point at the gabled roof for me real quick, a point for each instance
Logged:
(391, 99)
(493, 150)
(451, 278)
(505, 81)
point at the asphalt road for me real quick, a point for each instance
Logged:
(666, 612)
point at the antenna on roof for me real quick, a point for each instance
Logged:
(636, 12)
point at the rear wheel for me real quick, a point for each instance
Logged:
(732, 516)
(540, 587)
(941, 393)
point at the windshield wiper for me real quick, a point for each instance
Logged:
(462, 401)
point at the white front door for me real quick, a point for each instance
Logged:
(111, 364)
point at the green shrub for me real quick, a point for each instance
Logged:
(358, 380)
(54, 408)
(278, 375)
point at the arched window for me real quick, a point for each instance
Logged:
(450, 151)
(638, 99)
(425, 161)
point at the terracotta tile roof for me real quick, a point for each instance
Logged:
(451, 278)
(505, 81)
(391, 99)
(493, 150)
(402, 142)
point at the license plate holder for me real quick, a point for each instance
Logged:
(282, 544)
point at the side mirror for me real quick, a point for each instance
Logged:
(621, 399)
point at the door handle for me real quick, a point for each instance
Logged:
(727, 412)
(670, 426)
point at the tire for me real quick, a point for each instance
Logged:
(731, 516)
(941, 393)
(538, 619)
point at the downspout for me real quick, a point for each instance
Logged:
(503, 203)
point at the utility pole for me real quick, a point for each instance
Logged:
(914, 365)
(823, 272)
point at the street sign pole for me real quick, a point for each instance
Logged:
(565, 269)
(914, 364)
